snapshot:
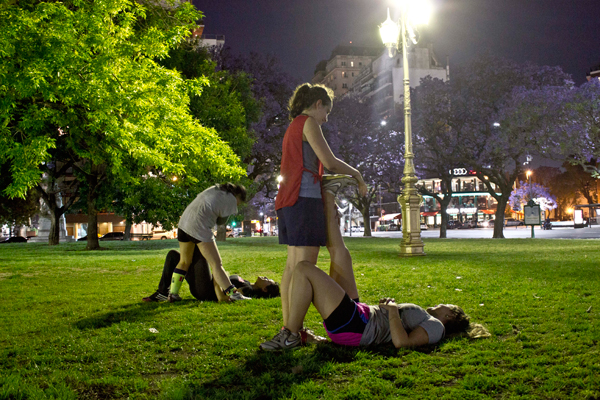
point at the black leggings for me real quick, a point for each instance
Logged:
(198, 276)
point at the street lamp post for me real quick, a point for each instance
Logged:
(412, 244)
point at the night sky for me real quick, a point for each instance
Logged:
(301, 33)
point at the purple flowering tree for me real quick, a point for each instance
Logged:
(508, 109)
(356, 135)
(272, 88)
(436, 131)
(534, 191)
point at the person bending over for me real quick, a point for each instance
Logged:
(356, 324)
(201, 283)
(195, 230)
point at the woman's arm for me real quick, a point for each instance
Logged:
(418, 337)
(314, 135)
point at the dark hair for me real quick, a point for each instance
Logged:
(306, 95)
(461, 325)
(272, 290)
(234, 189)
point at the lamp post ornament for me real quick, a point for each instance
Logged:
(410, 201)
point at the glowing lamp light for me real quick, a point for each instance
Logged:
(389, 32)
(496, 124)
(528, 173)
(419, 12)
(383, 123)
(570, 210)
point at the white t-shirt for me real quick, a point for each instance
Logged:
(201, 215)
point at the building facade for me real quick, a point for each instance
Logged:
(383, 79)
(344, 65)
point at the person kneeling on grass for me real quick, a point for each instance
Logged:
(201, 282)
(356, 324)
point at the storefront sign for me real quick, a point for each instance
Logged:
(465, 210)
(461, 172)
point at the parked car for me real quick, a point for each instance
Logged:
(14, 239)
(453, 224)
(424, 227)
(162, 234)
(358, 229)
(112, 236)
(513, 222)
(488, 224)
(468, 225)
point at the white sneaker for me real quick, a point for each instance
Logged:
(238, 296)
(282, 341)
(334, 183)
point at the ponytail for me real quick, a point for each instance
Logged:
(306, 95)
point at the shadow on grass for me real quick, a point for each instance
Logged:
(290, 374)
(129, 313)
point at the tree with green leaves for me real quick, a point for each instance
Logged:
(86, 72)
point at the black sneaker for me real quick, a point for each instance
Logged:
(155, 297)
(282, 341)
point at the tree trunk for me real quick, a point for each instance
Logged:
(127, 233)
(92, 233)
(444, 226)
(366, 221)
(54, 236)
(499, 222)
(221, 233)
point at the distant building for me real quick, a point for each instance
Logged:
(207, 40)
(344, 65)
(594, 73)
(383, 79)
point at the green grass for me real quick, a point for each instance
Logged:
(72, 325)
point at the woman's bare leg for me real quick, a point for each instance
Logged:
(340, 268)
(210, 251)
(296, 254)
(310, 284)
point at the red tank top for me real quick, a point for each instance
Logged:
(292, 164)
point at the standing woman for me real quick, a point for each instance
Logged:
(299, 202)
(195, 229)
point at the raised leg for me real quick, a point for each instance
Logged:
(210, 251)
(340, 268)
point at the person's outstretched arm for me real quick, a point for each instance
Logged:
(314, 135)
(418, 337)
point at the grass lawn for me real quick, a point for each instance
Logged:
(72, 325)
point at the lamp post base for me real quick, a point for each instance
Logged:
(411, 244)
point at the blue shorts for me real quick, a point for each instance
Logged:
(303, 224)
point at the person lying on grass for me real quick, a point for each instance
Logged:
(202, 285)
(356, 324)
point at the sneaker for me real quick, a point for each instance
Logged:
(238, 296)
(173, 297)
(334, 183)
(282, 341)
(309, 337)
(155, 297)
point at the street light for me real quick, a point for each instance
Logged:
(413, 12)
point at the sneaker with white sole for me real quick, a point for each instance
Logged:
(335, 182)
(238, 296)
(173, 297)
(282, 341)
(155, 297)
